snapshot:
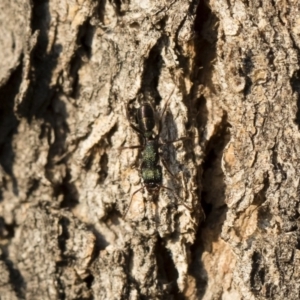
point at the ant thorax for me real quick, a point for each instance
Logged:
(150, 155)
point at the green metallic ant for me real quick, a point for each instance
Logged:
(151, 170)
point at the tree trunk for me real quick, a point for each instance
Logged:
(76, 218)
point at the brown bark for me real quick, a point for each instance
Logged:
(230, 72)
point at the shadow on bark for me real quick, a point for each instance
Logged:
(15, 277)
(211, 177)
(213, 203)
(9, 124)
(295, 84)
(43, 99)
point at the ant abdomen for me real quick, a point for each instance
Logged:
(150, 155)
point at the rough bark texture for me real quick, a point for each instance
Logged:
(229, 71)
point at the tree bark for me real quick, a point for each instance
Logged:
(76, 221)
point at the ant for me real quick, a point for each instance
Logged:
(151, 170)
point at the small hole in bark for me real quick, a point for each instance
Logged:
(69, 191)
(64, 223)
(83, 52)
(7, 231)
(104, 168)
(134, 25)
(246, 70)
(298, 244)
(89, 280)
(295, 84)
(257, 276)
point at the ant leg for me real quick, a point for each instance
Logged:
(257, 207)
(177, 140)
(130, 147)
(136, 129)
(164, 110)
(131, 201)
(167, 168)
(176, 196)
(169, 171)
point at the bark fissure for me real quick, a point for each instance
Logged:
(229, 73)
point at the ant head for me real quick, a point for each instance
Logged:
(146, 118)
